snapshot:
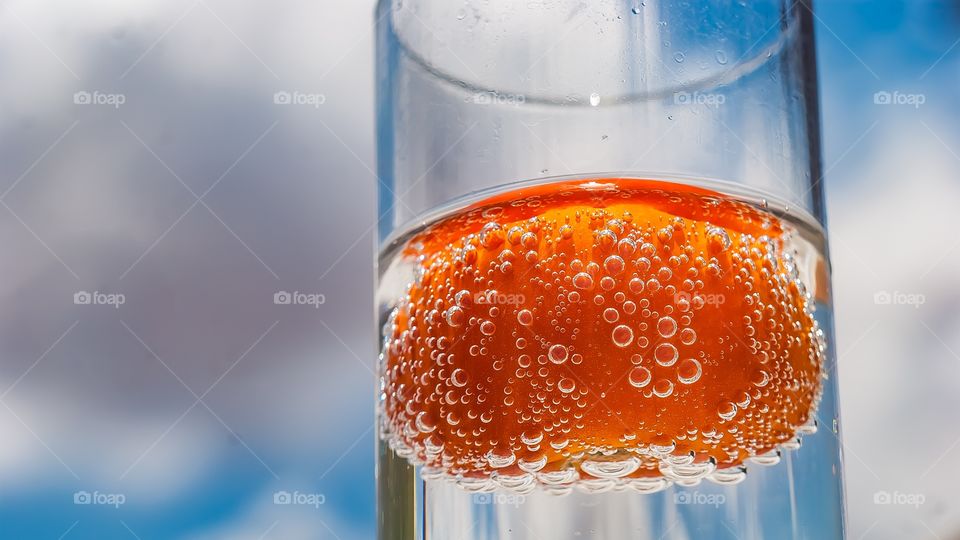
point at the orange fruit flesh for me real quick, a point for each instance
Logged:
(614, 328)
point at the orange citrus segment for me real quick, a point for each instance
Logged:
(599, 329)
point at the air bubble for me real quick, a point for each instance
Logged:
(662, 388)
(583, 280)
(611, 469)
(458, 378)
(499, 459)
(531, 438)
(639, 377)
(487, 328)
(760, 378)
(532, 465)
(665, 354)
(454, 316)
(613, 264)
(727, 410)
(425, 422)
(718, 239)
(622, 335)
(491, 235)
(557, 354)
(689, 371)
(667, 327)
(529, 240)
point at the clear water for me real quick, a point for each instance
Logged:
(796, 496)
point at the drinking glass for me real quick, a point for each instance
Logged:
(603, 285)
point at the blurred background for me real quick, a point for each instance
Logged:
(187, 216)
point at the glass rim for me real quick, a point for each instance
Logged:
(743, 67)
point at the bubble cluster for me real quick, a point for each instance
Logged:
(599, 334)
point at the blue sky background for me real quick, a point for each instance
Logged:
(199, 198)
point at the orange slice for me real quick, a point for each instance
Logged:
(599, 329)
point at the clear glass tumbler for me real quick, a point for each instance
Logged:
(603, 287)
